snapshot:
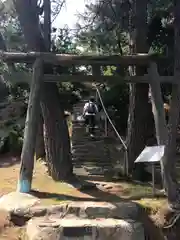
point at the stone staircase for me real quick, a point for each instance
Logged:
(94, 155)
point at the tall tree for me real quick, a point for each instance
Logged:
(140, 123)
(169, 160)
(57, 142)
(168, 136)
(40, 148)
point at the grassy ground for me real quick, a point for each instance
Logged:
(51, 192)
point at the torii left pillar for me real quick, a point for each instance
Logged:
(31, 127)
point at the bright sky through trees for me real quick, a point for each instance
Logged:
(68, 15)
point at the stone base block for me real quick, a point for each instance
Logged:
(87, 229)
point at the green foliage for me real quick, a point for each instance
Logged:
(70, 93)
(108, 35)
(11, 136)
(116, 101)
(64, 42)
(105, 30)
(161, 34)
(160, 38)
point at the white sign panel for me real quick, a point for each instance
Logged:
(151, 154)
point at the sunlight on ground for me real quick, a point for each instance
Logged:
(51, 192)
(13, 233)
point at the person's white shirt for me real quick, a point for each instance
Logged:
(85, 112)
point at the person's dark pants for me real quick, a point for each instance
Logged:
(90, 121)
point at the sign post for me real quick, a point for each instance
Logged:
(151, 155)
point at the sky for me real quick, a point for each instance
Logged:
(68, 14)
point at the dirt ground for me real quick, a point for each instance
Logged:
(51, 192)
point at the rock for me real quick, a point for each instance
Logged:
(122, 210)
(74, 228)
(17, 203)
(91, 210)
(4, 219)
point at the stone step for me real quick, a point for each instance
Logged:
(92, 164)
(90, 140)
(77, 112)
(85, 220)
(84, 137)
(84, 141)
(90, 161)
(85, 152)
(83, 209)
(89, 145)
(85, 148)
(81, 125)
(79, 105)
(86, 144)
(96, 160)
(94, 156)
(98, 157)
(103, 160)
(80, 133)
(76, 228)
(78, 127)
(92, 169)
(83, 133)
(83, 145)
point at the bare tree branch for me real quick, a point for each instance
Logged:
(56, 8)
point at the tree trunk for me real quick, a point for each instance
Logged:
(30, 132)
(57, 148)
(140, 121)
(169, 159)
(40, 148)
(47, 24)
(158, 112)
(140, 124)
(55, 124)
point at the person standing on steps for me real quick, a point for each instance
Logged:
(89, 113)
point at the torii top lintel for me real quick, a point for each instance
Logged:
(67, 60)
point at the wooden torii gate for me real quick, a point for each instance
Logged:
(38, 77)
